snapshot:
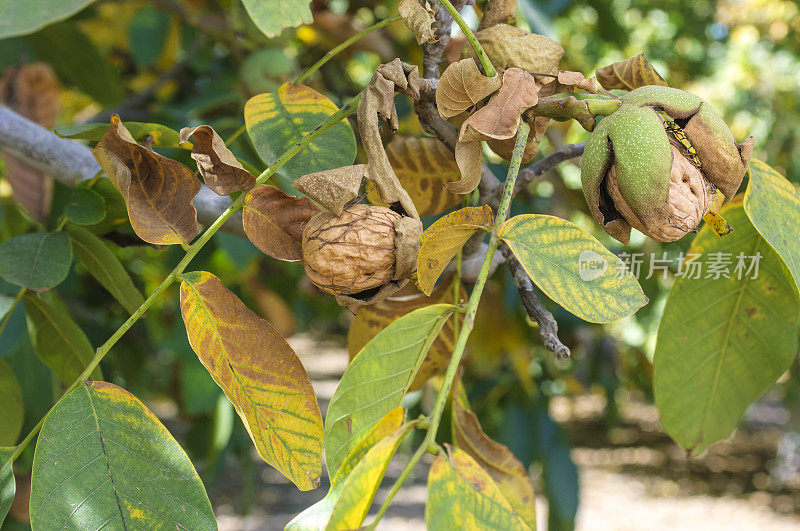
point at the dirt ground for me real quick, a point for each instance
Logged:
(635, 478)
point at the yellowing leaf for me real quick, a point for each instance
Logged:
(373, 318)
(424, 166)
(259, 373)
(629, 74)
(358, 488)
(272, 16)
(274, 221)
(419, 19)
(219, 168)
(276, 121)
(316, 517)
(103, 460)
(461, 86)
(442, 241)
(717, 223)
(158, 191)
(461, 495)
(497, 460)
(571, 267)
(378, 378)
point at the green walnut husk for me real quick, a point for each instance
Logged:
(638, 172)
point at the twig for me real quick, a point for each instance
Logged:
(548, 327)
(432, 52)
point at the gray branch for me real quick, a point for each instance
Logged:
(70, 163)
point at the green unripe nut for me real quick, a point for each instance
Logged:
(636, 173)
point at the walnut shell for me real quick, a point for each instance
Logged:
(351, 253)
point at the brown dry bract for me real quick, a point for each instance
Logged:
(629, 74)
(32, 91)
(219, 168)
(498, 120)
(419, 16)
(377, 103)
(274, 221)
(462, 86)
(333, 189)
(157, 191)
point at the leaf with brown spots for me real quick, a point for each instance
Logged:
(372, 319)
(259, 373)
(274, 221)
(442, 241)
(157, 191)
(32, 91)
(629, 74)
(496, 459)
(461, 86)
(219, 168)
(419, 16)
(424, 166)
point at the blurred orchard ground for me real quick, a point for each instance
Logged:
(191, 62)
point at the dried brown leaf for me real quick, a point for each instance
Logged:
(377, 102)
(372, 319)
(509, 46)
(496, 459)
(497, 12)
(505, 148)
(462, 86)
(32, 91)
(157, 191)
(274, 221)
(217, 165)
(468, 159)
(629, 74)
(419, 16)
(333, 189)
(424, 166)
(575, 80)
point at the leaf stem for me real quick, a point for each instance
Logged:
(469, 321)
(488, 69)
(192, 251)
(355, 38)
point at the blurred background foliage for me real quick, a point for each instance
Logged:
(190, 62)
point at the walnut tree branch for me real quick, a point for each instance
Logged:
(70, 163)
(548, 327)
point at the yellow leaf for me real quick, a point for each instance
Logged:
(442, 241)
(259, 373)
(461, 495)
(629, 74)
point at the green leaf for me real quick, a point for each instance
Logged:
(104, 460)
(378, 377)
(272, 16)
(105, 267)
(8, 485)
(571, 267)
(163, 136)
(461, 495)
(773, 205)
(6, 303)
(722, 342)
(58, 341)
(148, 31)
(85, 207)
(12, 411)
(36, 261)
(19, 17)
(276, 121)
(76, 59)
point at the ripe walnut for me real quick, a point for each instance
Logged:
(351, 253)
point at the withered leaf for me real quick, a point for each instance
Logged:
(259, 373)
(575, 80)
(468, 159)
(496, 459)
(372, 319)
(424, 166)
(462, 86)
(419, 17)
(509, 46)
(333, 189)
(505, 148)
(497, 12)
(274, 221)
(32, 91)
(157, 191)
(377, 102)
(441, 241)
(629, 74)
(217, 165)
